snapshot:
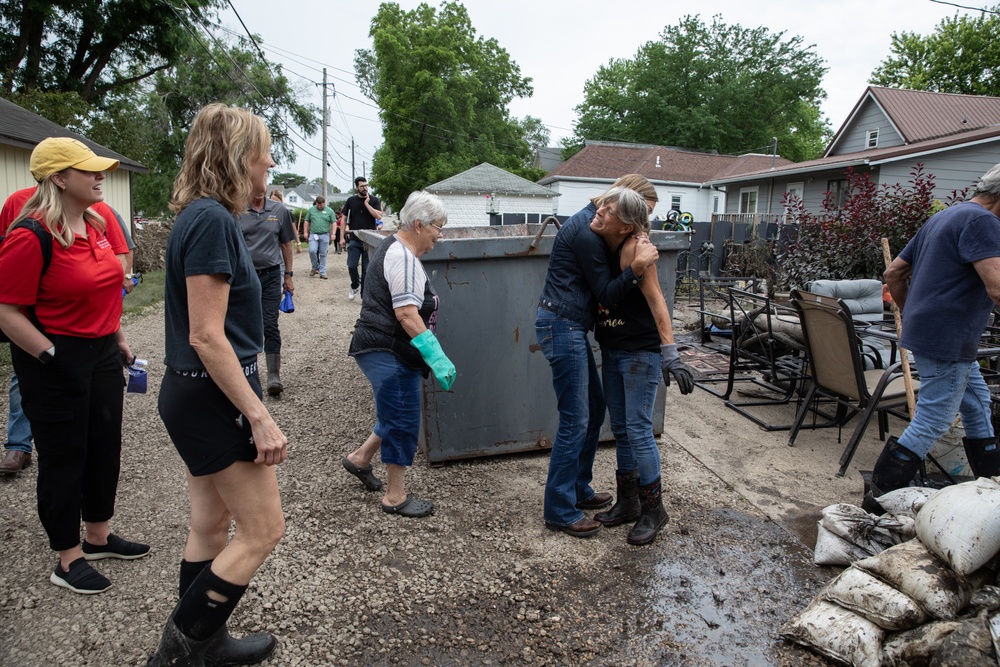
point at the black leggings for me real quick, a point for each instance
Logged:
(74, 404)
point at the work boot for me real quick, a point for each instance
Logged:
(274, 386)
(983, 455)
(894, 469)
(653, 515)
(626, 507)
(14, 461)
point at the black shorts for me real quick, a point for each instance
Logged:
(207, 430)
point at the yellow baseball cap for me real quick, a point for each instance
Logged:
(54, 154)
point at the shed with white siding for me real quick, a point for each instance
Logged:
(486, 193)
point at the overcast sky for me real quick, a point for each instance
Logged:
(560, 44)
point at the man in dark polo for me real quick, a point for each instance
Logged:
(269, 231)
(361, 211)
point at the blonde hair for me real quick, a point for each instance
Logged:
(636, 182)
(223, 144)
(47, 203)
(277, 195)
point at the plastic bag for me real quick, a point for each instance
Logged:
(136, 377)
(961, 524)
(286, 305)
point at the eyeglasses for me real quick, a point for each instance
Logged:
(436, 226)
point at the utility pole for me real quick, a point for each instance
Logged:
(353, 172)
(326, 113)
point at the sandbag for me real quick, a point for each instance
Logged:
(870, 533)
(916, 647)
(970, 644)
(912, 569)
(961, 524)
(832, 549)
(837, 633)
(906, 501)
(880, 603)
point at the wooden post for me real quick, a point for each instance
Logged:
(911, 400)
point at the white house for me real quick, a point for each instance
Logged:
(486, 195)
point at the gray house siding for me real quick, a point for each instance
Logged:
(772, 191)
(953, 170)
(855, 138)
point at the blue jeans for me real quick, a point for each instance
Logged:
(356, 251)
(630, 381)
(18, 426)
(581, 414)
(397, 404)
(947, 388)
(319, 246)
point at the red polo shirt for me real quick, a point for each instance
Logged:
(12, 208)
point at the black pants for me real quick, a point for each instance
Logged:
(74, 404)
(271, 282)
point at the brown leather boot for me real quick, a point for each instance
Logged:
(14, 461)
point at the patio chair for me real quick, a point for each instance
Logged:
(838, 374)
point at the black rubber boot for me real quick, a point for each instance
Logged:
(177, 649)
(626, 507)
(983, 455)
(653, 517)
(274, 386)
(224, 649)
(894, 469)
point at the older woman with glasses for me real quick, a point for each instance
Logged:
(395, 346)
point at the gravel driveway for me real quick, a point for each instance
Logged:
(481, 582)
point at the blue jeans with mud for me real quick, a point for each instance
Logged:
(947, 388)
(581, 413)
(630, 382)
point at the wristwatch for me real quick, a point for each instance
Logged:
(289, 274)
(47, 355)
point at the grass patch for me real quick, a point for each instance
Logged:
(147, 293)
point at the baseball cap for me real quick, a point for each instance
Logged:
(54, 154)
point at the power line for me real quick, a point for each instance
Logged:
(975, 9)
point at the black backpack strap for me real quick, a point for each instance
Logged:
(44, 238)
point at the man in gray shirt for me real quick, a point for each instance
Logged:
(269, 231)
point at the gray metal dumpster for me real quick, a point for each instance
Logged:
(489, 280)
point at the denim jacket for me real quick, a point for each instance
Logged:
(579, 273)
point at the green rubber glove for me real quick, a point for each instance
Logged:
(430, 349)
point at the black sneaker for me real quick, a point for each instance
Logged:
(81, 578)
(115, 548)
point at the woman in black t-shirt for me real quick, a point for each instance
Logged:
(637, 346)
(210, 398)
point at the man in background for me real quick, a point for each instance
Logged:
(319, 221)
(269, 231)
(361, 211)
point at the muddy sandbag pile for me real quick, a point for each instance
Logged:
(931, 600)
(150, 246)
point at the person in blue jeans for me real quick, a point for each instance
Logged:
(946, 282)
(579, 275)
(18, 454)
(637, 346)
(319, 221)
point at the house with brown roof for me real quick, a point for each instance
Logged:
(681, 177)
(889, 131)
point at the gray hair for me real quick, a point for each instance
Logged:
(422, 206)
(989, 184)
(632, 209)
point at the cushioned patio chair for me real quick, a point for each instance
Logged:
(837, 370)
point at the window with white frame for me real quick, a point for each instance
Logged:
(748, 200)
(795, 190)
(873, 138)
(675, 203)
(715, 203)
(837, 192)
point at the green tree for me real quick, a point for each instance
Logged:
(443, 95)
(710, 87)
(288, 179)
(228, 72)
(90, 47)
(961, 56)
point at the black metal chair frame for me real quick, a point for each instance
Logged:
(758, 355)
